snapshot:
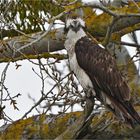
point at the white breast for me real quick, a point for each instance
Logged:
(80, 73)
(83, 78)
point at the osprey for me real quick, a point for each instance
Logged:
(97, 72)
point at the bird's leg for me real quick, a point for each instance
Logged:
(87, 116)
(89, 104)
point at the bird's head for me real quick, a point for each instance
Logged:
(74, 25)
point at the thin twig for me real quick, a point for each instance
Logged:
(127, 44)
(3, 76)
(33, 42)
(136, 4)
(109, 32)
(43, 98)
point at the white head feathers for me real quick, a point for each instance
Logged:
(75, 31)
(75, 22)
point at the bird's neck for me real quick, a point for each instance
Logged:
(72, 38)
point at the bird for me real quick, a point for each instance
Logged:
(97, 71)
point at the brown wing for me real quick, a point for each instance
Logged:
(102, 69)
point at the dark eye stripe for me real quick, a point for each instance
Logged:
(71, 26)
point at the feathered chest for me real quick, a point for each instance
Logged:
(70, 47)
(70, 44)
(78, 71)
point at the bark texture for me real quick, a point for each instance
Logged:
(65, 126)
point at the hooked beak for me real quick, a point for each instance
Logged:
(76, 27)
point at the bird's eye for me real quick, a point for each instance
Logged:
(71, 25)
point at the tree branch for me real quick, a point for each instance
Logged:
(54, 40)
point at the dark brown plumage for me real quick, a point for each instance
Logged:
(97, 72)
(107, 80)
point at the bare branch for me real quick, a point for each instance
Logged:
(43, 98)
